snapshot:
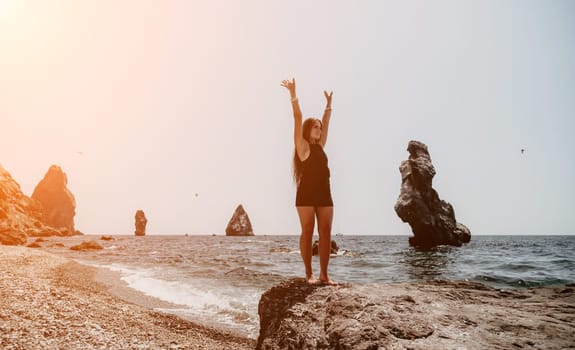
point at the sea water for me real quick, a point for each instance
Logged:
(218, 280)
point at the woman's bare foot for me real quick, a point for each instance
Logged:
(311, 280)
(327, 281)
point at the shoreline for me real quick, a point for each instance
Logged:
(51, 302)
(115, 285)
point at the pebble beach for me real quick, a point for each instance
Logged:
(50, 302)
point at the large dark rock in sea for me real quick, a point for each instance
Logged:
(20, 215)
(58, 202)
(239, 224)
(426, 315)
(140, 223)
(432, 220)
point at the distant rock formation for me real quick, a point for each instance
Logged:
(58, 202)
(432, 220)
(315, 247)
(426, 315)
(140, 223)
(239, 224)
(20, 215)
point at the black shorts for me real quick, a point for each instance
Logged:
(310, 195)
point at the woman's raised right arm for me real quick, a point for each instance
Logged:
(298, 139)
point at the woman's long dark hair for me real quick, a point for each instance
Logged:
(297, 163)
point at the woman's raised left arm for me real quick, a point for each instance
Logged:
(325, 118)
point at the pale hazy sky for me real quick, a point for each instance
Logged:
(146, 103)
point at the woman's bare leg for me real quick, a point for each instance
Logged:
(307, 221)
(324, 220)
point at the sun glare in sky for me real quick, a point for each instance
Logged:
(144, 104)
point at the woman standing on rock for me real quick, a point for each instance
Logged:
(311, 174)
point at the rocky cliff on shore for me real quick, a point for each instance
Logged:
(20, 215)
(426, 315)
(57, 201)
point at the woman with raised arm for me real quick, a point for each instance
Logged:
(311, 174)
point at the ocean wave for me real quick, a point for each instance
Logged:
(201, 297)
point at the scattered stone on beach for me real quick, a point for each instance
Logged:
(424, 315)
(87, 245)
(56, 245)
(57, 201)
(20, 215)
(239, 224)
(107, 238)
(140, 223)
(315, 248)
(432, 220)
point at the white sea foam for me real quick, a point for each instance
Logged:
(200, 297)
(177, 292)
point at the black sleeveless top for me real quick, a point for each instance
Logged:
(314, 189)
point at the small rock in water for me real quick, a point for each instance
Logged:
(239, 224)
(334, 248)
(140, 223)
(87, 245)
